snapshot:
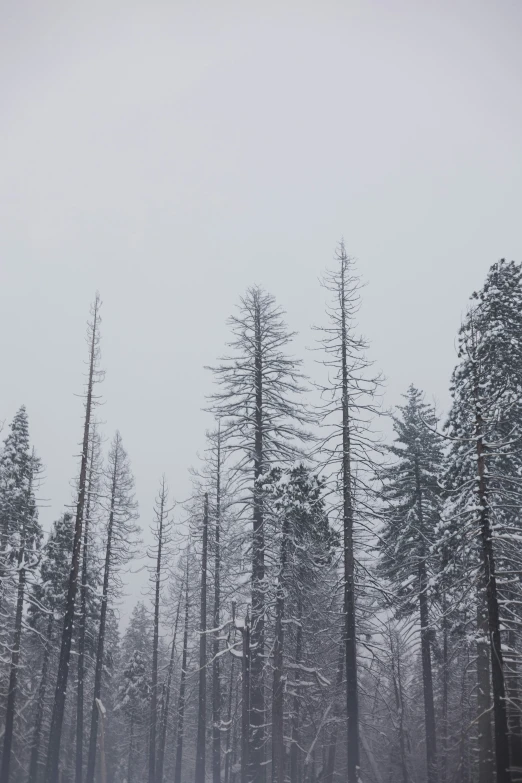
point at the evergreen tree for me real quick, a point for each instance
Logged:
(413, 505)
(120, 543)
(259, 406)
(484, 425)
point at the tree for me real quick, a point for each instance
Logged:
(202, 698)
(412, 512)
(94, 375)
(25, 541)
(262, 416)
(121, 541)
(294, 499)
(92, 497)
(347, 448)
(183, 683)
(161, 533)
(484, 426)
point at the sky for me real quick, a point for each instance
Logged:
(170, 154)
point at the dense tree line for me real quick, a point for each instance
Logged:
(326, 605)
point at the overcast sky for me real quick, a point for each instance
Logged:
(172, 153)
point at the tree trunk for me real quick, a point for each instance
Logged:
(82, 623)
(216, 685)
(199, 776)
(155, 642)
(55, 734)
(484, 738)
(514, 708)
(278, 747)
(330, 764)
(294, 748)
(98, 672)
(182, 687)
(15, 655)
(490, 581)
(130, 767)
(166, 703)
(40, 704)
(427, 674)
(245, 703)
(229, 724)
(352, 699)
(257, 642)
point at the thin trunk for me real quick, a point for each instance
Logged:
(278, 747)
(427, 674)
(229, 724)
(40, 703)
(245, 702)
(103, 763)
(55, 734)
(82, 623)
(166, 703)
(399, 703)
(445, 686)
(15, 653)
(296, 739)
(490, 581)
(514, 708)
(330, 764)
(182, 687)
(130, 767)
(484, 738)
(199, 776)
(155, 642)
(98, 672)
(216, 685)
(352, 699)
(256, 699)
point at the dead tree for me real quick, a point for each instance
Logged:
(55, 734)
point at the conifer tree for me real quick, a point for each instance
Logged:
(120, 543)
(484, 426)
(347, 449)
(25, 537)
(413, 506)
(258, 404)
(162, 534)
(93, 375)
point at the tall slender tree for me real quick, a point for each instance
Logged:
(412, 512)
(199, 776)
(121, 541)
(161, 532)
(25, 545)
(183, 683)
(92, 493)
(347, 448)
(258, 403)
(94, 375)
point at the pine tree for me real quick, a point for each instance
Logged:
(162, 534)
(94, 375)
(262, 416)
(121, 541)
(413, 506)
(484, 425)
(25, 535)
(347, 448)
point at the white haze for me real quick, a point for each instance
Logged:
(172, 153)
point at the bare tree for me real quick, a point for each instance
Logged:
(348, 404)
(120, 544)
(94, 375)
(262, 416)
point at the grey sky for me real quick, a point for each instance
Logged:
(172, 153)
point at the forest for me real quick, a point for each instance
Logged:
(339, 599)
